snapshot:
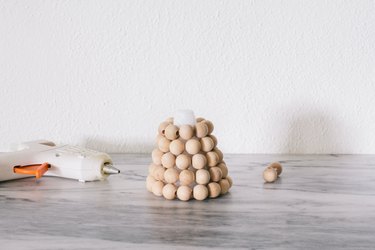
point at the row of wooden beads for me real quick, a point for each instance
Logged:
(191, 146)
(185, 193)
(172, 132)
(183, 161)
(187, 177)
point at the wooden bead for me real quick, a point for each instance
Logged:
(277, 166)
(186, 132)
(199, 161)
(158, 173)
(219, 153)
(163, 144)
(184, 193)
(156, 156)
(210, 126)
(193, 146)
(215, 174)
(186, 177)
(214, 189)
(230, 181)
(176, 147)
(201, 129)
(171, 175)
(149, 182)
(214, 139)
(212, 159)
(200, 192)
(270, 174)
(157, 188)
(169, 119)
(158, 138)
(202, 176)
(152, 168)
(162, 126)
(171, 132)
(207, 144)
(169, 191)
(224, 169)
(183, 161)
(224, 185)
(168, 160)
(199, 119)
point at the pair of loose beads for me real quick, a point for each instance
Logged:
(272, 172)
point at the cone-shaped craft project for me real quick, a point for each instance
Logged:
(186, 162)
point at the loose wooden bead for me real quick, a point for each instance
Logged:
(214, 139)
(219, 153)
(270, 174)
(149, 182)
(277, 166)
(199, 119)
(224, 169)
(169, 119)
(171, 132)
(158, 173)
(210, 126)
(171, 175)
(156, 156)
(200, 192)
(169, 191)
(168, 160)
(152, 168)
(177, 147)
(214, 189)
(186, 177)
(212, 159)
(215, 174)
(224, 185)
(202, 176)
(199, 161)
(193, 146)
(184, 193)
(186, 132)
(207, 144)
(157, 188)
(230, 181)
(163, 144)
(162, 126)
(201, 129)
(183, 161)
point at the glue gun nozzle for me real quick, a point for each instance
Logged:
(110, 169)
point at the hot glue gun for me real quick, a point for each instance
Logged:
(38, 158)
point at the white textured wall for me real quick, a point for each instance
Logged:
(273, 76)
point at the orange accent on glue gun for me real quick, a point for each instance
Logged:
(36, 169)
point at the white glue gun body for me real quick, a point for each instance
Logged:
(39, 157)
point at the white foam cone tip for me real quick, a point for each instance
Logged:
(184, 117)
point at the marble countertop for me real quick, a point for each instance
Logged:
(320, 202)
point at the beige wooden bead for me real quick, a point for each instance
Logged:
(277, 166)
(186, 132)
(214, 139)
(152, 168)
(199, 161)
(184, 193)
(177, 147)
(162, 126)
(200, 192)
(158, 173)
(202, 176)
(212, 159)
(157, 188)
(169, 119)
(169, 191)
(193, 146)
(215, 174)
(270, 174)
(230, 181)
(207, 144)
(186, 177)
(156, 156)
(149, 182)
(183, 161)
(171, 132)
(201, 129)
(163, 144)
(224, 185)
(171, 175)
(168, 160)
(219, 153)
(214, 189)
(210, 126)
(224, 169)
(199, 119)
(158, 138)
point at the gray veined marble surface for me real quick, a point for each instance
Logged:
(320, 202)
